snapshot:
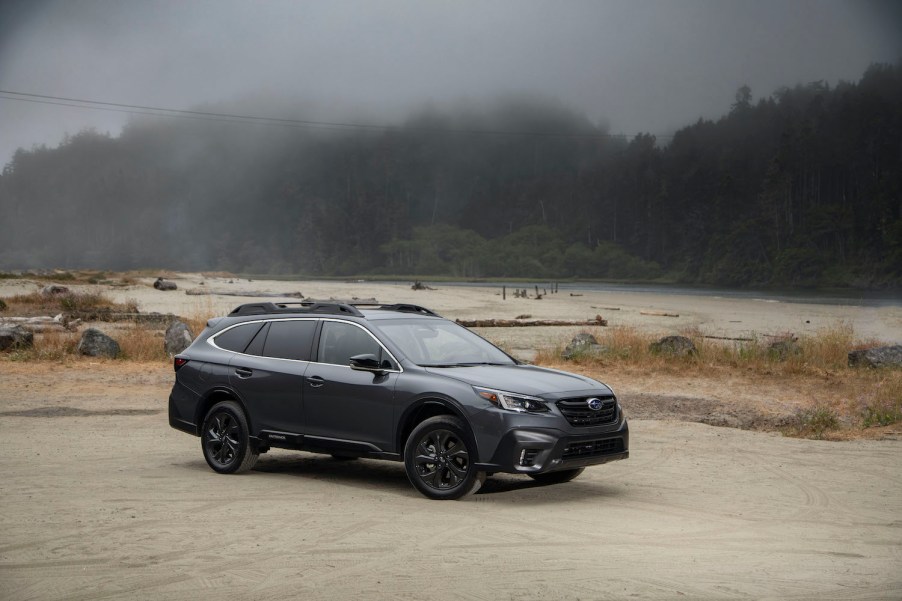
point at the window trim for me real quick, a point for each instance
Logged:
(212, 341)
(394, 359)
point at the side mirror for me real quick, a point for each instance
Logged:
(367, 362)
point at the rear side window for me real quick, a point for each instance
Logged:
(290, 339)
(237, 338)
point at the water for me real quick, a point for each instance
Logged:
(854, 298)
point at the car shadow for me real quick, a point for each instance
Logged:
(389, 476)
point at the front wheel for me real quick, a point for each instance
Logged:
(558, 477)
(225, 441)
(439, 458)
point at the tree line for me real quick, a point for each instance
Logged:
(799, 188)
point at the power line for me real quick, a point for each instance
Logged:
(154, 111)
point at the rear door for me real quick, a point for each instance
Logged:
(269, 374)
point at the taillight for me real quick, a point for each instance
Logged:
(178, 362)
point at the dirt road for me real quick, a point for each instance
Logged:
(100, 499)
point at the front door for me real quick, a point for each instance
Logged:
(344, 404)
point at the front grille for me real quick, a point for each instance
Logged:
(578, 412)
(591, 448)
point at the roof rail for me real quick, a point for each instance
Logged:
(328, 308)
(408, 308)
(331, 307)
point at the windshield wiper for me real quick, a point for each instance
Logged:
(467, 364)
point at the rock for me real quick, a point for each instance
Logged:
(883, 356)
(95, 343)
(178, 337)
(161, 284)
(15, 337)
(783, 349)
(674, 345)
(583, 344)
(53, 289)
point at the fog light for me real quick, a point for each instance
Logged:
(528, 457)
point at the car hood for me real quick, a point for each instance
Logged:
(523, 379)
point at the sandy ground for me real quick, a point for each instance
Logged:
(100, 499)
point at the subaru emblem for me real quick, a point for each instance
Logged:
(594, 404)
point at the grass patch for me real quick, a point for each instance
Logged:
(815, 422)
(35, 303)
(140, 343)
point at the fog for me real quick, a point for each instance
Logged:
(631, 65)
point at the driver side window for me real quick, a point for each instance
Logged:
(340, 341)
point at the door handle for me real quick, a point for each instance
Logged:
(244, 372)
(315, 381)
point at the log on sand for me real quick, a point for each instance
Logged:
(249, 293)
(43, 323)
(659, 313)
(519, 323)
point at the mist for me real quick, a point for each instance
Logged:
(631, 66)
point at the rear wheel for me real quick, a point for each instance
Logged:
(557, 477)
(439, 457)
(225, 440)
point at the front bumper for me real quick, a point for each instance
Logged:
(537, 451)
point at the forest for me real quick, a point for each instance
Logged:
(799, 188)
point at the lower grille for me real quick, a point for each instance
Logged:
(590, 448)
(579, 413)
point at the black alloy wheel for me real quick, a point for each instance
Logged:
(439, 459)
(224, 439)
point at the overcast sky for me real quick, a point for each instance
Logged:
(637, 65)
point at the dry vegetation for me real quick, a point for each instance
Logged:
(838, 400)
(35, 303)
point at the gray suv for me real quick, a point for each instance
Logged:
(387, 382)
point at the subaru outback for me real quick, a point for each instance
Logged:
(394, 382)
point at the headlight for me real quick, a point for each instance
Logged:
(512, 401)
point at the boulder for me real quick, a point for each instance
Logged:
(15, 337)
(53, 289)
(161, 284)
(583, 344)
(883, 356)
(178, 337)
(674, 345)
(95, 343)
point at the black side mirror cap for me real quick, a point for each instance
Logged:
(367, 362)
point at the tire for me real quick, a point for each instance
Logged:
(557, 477)
(225, 441)
(439, 456)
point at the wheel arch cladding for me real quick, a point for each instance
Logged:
(215, 396)
(422, 411)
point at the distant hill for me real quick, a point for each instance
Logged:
(801, 188)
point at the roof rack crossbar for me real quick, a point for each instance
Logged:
(318, 307)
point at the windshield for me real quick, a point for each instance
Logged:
(439, 343)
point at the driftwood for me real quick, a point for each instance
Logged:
(161, 284)
(518, 323)
(251, 293)
(659, 313)
(111, 316)
(43, 323)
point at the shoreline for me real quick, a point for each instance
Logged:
(712, 314)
